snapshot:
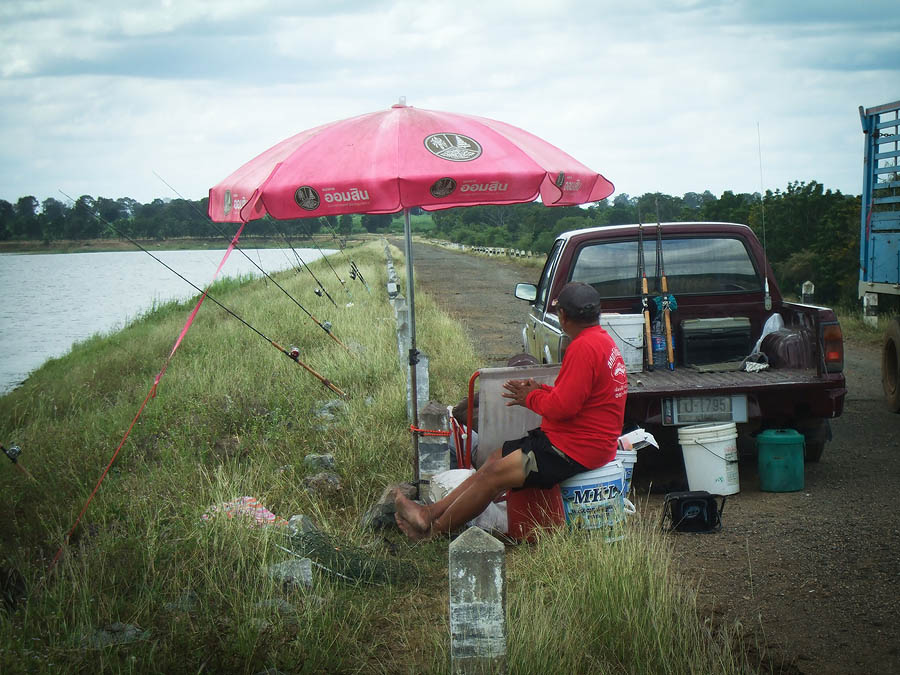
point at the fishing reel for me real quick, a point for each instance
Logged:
(326, 325)
(294, 353)
(12, 452)
(353, 274)
(318, 292)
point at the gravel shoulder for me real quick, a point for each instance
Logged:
(814, 574)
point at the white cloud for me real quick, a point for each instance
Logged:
(655, 95)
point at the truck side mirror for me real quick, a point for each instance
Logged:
(526, 292)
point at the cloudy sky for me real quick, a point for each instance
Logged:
(671, 96)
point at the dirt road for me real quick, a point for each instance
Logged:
(815, 573)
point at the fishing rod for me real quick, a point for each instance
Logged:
(293, 353)
(13, 453)
(664, 286)
(303, 264)
(645, 306)
(355, 273)
(324, 326)
(327, 261)
(354, 268)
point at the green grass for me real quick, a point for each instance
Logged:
(231, 417)
(855, 328)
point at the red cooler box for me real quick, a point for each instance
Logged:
(530, 509)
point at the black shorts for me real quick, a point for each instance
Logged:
(545, 465)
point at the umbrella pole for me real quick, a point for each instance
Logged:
(413, 352)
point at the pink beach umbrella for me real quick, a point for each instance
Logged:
(397, 159)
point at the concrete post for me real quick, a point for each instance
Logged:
(422, 384)
(434, 451)
(807, 290)
(402, 314)
(870, 309)
(477, 603)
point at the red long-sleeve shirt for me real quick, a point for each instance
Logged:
(584, 409)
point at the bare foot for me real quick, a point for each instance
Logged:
(411, 518)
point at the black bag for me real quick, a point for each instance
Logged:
(696, 511)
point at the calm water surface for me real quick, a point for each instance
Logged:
(49, 302)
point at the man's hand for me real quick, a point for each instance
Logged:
(518, 390)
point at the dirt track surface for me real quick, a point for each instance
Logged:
(814, 573)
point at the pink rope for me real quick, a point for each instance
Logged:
(150, 394)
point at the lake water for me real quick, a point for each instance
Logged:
(50, 302)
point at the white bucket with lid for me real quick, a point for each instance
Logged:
(710, 457)
(594, 500)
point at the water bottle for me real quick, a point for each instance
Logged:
(658, 339)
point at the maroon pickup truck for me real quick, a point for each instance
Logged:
(724, 298)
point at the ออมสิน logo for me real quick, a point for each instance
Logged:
(236, 203)
(453, 147)
(352, 195)
(307, 198)
(493, 186)
(442, 187)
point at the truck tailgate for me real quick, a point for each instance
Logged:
(684, 381)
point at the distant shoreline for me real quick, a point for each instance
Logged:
(174, 244)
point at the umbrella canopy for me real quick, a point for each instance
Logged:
(397, 159)
(400, 158)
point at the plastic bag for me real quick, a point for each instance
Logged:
(492, 518)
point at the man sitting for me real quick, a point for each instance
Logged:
(582, 416)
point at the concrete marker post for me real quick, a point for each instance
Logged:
(477, 603)
(434, 451)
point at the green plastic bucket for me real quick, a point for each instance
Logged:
(780, 457)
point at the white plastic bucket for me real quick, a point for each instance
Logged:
(628, 459)
(594, 500)
(627, 331)
(710, 457)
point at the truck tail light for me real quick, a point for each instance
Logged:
(833, 347)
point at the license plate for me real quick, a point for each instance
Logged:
(696, 409)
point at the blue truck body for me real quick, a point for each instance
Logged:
(879, 254)
(879, 237)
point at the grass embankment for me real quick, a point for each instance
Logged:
(234, 417)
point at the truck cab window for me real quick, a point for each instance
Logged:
(693, 265)
(549, 268)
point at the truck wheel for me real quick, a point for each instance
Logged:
(890, 366)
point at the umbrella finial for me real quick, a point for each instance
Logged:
(401, 103)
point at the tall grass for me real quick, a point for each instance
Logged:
(231, 417)
(623, 606)
(855, 328)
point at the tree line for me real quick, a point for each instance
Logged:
(103, 218)
(809, 232)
